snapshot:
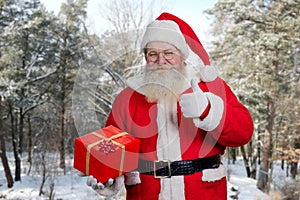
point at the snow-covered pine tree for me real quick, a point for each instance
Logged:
(255, 46)
(19, 60)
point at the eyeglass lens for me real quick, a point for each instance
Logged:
(154, 55)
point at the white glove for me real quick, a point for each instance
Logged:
(193, 104)
(111, 188)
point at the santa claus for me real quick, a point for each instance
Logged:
(184, 120)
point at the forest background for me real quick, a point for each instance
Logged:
(58, 79)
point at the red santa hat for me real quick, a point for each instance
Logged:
(173, 30)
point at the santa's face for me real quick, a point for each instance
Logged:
(165, 72)
(162, 53)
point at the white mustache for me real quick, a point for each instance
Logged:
(154, 68)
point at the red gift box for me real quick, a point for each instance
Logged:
(106, 153)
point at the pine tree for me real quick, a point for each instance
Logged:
(27, 61)
(256, 49)
(72, 53)
(16, 59)
(7, 14)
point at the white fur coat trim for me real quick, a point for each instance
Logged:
(212, 120)
(132, 178)
(210, 175)
(168, 148)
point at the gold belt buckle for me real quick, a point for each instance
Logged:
(167, 163)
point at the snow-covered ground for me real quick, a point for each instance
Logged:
(73, 187)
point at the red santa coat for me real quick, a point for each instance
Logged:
(132, 113)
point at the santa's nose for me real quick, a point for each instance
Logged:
(161, 59)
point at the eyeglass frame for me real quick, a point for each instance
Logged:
(163, 52)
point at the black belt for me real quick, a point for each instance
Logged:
(166, 169)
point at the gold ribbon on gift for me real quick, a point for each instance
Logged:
(90, 146)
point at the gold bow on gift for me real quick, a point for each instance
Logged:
(106, 141)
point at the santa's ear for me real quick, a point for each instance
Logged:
(208, 73)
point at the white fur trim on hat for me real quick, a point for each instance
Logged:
(165, 31)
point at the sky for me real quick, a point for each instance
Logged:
(190, 11)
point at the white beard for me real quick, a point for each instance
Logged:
(163, 82)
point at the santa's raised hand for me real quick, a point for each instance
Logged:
(205, 108)
(195, 103)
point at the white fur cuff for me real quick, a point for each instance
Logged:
(212, 120)
(132, 178)
(210, 175)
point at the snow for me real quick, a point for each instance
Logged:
(73, 187)
(68, 187)
(246, 187)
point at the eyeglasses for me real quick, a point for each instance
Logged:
(153, 56)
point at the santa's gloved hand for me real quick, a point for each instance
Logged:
(108, 189)
(195, 103)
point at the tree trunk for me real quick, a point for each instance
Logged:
(253, 168)
(246, 161)
(15, 146)
(287, 169)
(258, 150)
(252, 160)
(62, 142)
(44, 177)
(264, 166)
(62, 112)
(294, 167)
(9, 178)
(232, 152)
(263, 177)
(29, 143)
(21, 126)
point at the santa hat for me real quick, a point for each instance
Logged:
(173, 30)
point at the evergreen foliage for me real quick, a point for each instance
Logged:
(257, 48)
